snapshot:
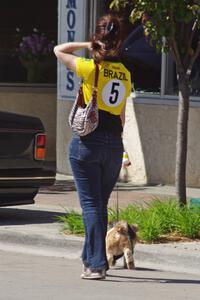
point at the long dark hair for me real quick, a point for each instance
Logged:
(111, 31)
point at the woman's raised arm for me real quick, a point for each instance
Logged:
(64, 53)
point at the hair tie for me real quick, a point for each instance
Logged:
(111, 28)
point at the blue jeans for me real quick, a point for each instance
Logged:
(96, 162)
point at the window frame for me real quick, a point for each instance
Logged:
(163, 98)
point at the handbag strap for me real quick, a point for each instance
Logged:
(94, 92)
(96, 76)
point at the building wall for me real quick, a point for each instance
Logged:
(34, 102)
(63, 136)
(150, 140)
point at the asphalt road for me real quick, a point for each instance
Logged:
(32, 269)
(34, 229)
(30, 277)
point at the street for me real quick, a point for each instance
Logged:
(38, 262)
(48, 278)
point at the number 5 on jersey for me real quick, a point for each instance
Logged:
(113, 93)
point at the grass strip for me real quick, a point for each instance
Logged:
(161, 220)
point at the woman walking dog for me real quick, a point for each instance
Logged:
(96, 158)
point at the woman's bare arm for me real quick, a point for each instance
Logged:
(122, 115)
(64, 53)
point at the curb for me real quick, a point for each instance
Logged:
(54, 244)
(175, 257)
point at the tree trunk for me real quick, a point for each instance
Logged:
(182, 135)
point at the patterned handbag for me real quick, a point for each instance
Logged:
(83, 119)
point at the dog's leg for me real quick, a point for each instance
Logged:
(124, 262)
(110, 259)
(128, 256)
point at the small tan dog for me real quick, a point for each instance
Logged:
(120, 241)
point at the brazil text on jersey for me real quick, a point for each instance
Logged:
(114, 74)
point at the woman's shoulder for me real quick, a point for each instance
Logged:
(114, 64)
(84, 60)
(84, 66)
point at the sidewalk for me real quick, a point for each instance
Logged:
(34, 228)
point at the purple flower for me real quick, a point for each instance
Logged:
(50, 47)
(35, 45)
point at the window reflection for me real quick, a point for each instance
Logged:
(143, 61)
(195, 79)
(171, 80)
(17, 21)
(140, 58)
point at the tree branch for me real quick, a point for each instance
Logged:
(194, 27)
(173, 44)
(193, 59)
(176, 54)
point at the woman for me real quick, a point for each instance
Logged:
(96, 158)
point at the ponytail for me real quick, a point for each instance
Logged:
(111, 30)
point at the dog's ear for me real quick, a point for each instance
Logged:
(113, 223)
(122, 227)
(134, 227)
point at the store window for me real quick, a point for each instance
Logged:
(141, 59)
(147, 66)
(195, 79)
(171, 87)
(28, 30)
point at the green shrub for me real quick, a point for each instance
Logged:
(154, 220)
(72, 222)
(130, 214)
(150, 227)
(167, 212)
(188, 223)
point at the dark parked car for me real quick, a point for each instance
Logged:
(23, 169)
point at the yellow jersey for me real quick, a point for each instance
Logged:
(114, 83)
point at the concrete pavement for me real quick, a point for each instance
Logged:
(29, 277)
(34, 228)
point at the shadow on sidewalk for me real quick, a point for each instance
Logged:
(13, 216)
(136, 279)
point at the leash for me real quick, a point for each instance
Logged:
(117, 202)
